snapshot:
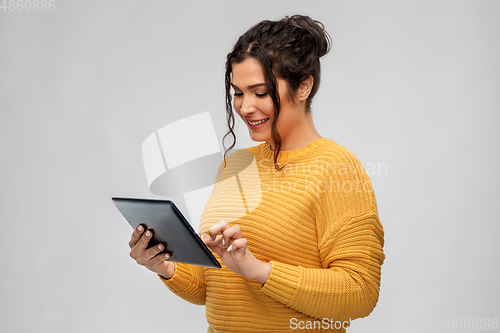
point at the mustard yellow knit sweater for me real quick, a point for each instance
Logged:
(315, 221)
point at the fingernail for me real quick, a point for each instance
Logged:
(167, 255)
(139, 228)
(230, 248)
(148, 233)
(159, 246)
(223, 242)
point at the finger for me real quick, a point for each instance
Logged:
(230, 234)
(153, 262)
(238, 247)
(205, 238)
(145, 257)
(217, 228)
(216, 244)
(158, 259)
(144, 240)
(154, 251)
(209, 241)
(142, 244)
(213, 244)
(136, 235)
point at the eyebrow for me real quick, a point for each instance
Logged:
(249, 87)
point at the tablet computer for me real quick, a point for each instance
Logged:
(169, 227)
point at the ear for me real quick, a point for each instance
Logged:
(305, 89)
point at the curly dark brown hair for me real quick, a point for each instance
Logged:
(288, 49)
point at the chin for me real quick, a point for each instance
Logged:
(259, 137)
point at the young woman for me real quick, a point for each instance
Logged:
(307, 252)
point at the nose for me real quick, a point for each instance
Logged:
(247, 107)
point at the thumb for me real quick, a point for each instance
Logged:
(205, 238)
(213, 244)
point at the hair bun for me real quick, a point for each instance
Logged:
(316, 29)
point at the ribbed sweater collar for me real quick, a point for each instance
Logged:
(291, 155)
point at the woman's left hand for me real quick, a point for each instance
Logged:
(232, 249)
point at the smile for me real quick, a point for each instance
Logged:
(258, 121)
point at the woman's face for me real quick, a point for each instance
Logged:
(255, 106)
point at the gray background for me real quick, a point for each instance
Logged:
(411, 85)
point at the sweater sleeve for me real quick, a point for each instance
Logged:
(350, 242)
(188, 282)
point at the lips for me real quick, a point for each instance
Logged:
(257, 121)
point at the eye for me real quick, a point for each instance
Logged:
(237, 94)
(261, 95)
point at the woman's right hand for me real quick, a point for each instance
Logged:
(150, 258)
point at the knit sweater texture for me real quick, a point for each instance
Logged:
(315, 222)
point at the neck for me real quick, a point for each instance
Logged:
(301, 136)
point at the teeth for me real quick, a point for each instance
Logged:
(257, 122)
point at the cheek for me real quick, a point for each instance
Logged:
(267, 107)
(237, 105)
